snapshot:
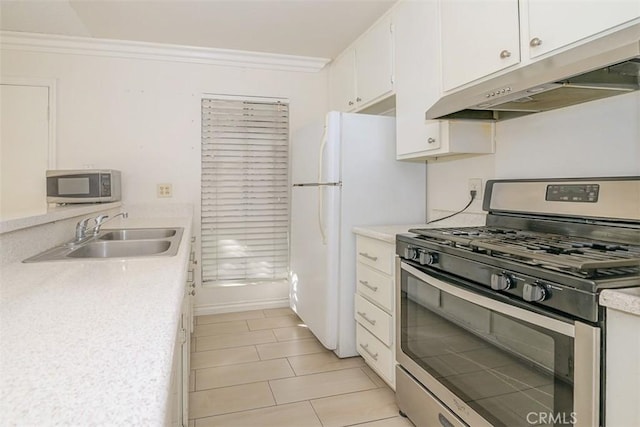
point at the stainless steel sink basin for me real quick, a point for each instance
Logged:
(138, 234)
(117, 243)
(120, 249)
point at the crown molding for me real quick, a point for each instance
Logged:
(52, 43)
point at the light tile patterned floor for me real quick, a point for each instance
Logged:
(264, 368)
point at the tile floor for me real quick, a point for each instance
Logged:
(264, 368)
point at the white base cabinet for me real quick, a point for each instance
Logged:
(374, 305)
(622, 389)
(178, 413)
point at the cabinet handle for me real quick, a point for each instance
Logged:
(192, 293)
(364, 316)
(535, 42)
(358, 99)
(365, 347)
(431, 140)
(350, 102)
(505, 54)
(366, 255)
(366, 283)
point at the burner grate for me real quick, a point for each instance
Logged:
(580, 257)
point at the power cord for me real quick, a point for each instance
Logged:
(472, 193)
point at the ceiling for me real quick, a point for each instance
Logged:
(315, 28)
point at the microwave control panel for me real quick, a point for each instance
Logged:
(105, 185)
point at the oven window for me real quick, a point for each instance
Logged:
(511, 372)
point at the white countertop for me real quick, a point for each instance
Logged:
(627, 300)
(385, 233)
(388, 233)
(54, 213)
(91, 342)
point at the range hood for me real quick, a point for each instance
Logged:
(604, 67)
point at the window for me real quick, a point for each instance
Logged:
(245, 190)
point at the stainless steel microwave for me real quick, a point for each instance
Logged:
(83, 186)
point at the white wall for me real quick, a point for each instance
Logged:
(143, 118)
(600, 138)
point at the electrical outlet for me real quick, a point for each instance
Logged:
(165, 190)
(476, 184)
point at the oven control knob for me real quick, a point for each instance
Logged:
(411, 254)
(534, 292)
(427, 258)
(501, 282)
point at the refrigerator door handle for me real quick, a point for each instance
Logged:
(323, 144)
(318, 184)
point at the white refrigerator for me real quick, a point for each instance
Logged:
(343, 174)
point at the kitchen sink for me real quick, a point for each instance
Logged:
(117, 243)
(138, 234)
(120, 249)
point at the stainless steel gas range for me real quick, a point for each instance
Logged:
(500, 325)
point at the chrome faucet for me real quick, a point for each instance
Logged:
(101, 219)
(82, 229)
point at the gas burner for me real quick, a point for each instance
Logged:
(576, 256)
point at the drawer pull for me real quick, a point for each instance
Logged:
(366, 255)
(366, 283)
(364, 316)
(365, 347)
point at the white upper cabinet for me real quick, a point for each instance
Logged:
(374, 63)
(555, 24)
(446, 138)
(478, 38)
(343, 82)
(483, 37)
(363, 74)
(417, 87)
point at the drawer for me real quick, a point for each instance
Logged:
(376, 354)
(375, 253)
(374, 319)
(376, 286)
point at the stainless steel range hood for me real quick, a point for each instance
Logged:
(598, 69)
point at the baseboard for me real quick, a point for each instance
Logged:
(201, 310)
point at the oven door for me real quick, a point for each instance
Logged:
(489, 359)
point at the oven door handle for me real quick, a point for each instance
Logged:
(558, 326)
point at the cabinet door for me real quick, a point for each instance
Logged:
(374, 63)
(430, 140)
(342, 82)
(185, 362)
(478, 38)
(554, 24)
(417, 81)
(24, 149)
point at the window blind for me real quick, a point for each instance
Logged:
(245, 190)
